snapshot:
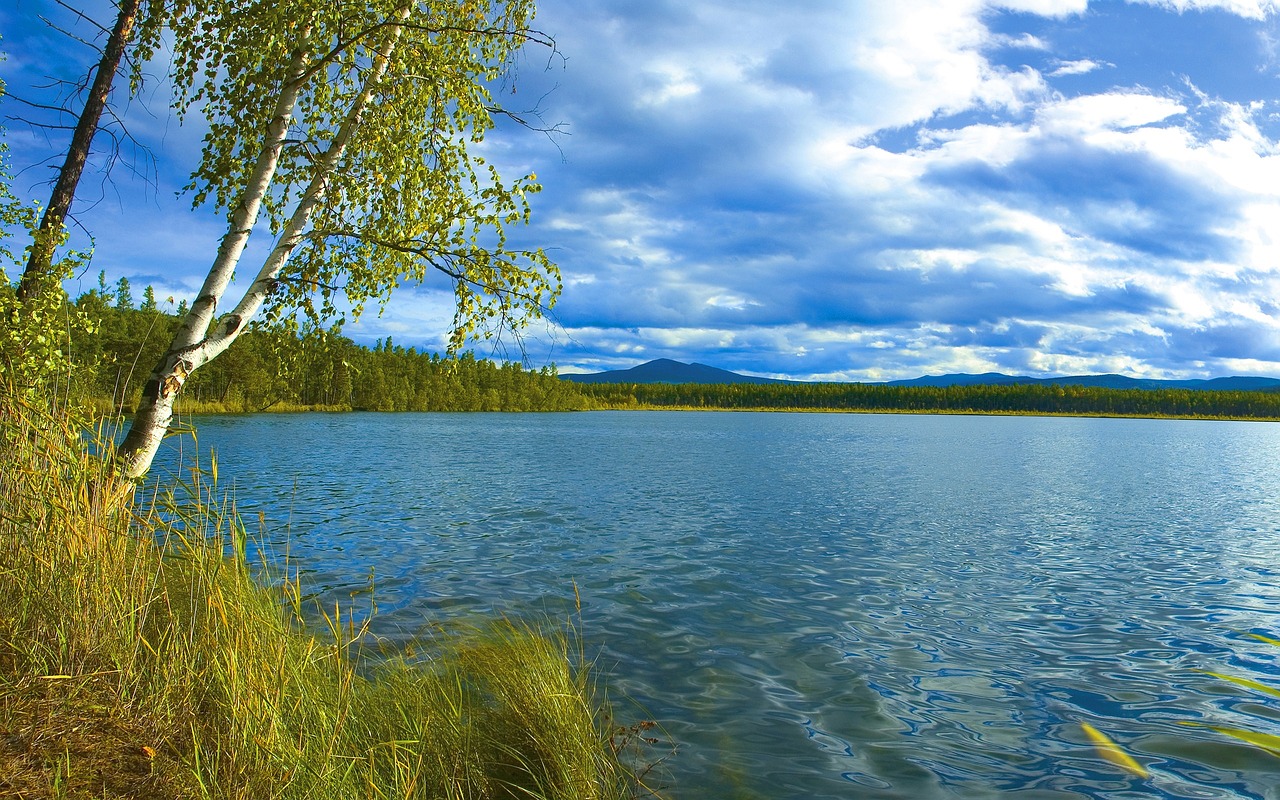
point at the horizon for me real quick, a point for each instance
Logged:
(849, 192)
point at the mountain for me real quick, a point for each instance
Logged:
(665, 370)
(1234, 383)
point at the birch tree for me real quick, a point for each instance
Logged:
(348, 129)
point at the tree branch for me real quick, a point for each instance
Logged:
(82, 16)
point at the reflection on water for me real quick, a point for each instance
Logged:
(829, 605)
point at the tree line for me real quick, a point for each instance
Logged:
(983, 399)
(272, 368)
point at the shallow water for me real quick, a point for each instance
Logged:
(822, 605)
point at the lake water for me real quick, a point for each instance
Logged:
(823, 605)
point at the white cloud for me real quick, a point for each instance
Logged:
(1023, 42)
(1046, 8)
(673, 83)
(926, 59)
(1081, 67)
(1113, 110)
(1252, 9)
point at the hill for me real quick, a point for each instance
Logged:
(1110, 381)
(665, 370)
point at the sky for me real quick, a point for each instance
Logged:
(853, 191)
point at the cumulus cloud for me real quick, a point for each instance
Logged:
(1022, 242)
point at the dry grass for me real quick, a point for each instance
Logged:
(142, 657)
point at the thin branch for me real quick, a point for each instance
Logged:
(439, 259)
(48, 126)
(523, 121)
(40, 106)
(524, 34)
(309, 282)
(84, 17)
(70, 35)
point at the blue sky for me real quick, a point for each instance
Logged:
(835, 190)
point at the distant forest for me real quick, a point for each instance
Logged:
(272, 369)
(1004, 399)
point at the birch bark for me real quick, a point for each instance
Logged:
(155, 410)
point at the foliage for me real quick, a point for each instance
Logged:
(354, 128)
(35, 346)
(140, 657)
(406, 193)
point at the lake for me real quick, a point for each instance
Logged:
(827, 605)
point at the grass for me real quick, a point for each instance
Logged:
(141, 656)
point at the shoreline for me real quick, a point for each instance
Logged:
(222, 410)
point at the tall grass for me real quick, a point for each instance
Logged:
(141, 656)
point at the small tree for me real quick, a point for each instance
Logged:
(352, 127)
(124, 295)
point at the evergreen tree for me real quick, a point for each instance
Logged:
(124, 297)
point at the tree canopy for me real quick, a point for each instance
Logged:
(353, 129)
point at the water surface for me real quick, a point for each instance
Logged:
(823, 605)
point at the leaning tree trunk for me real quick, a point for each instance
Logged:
(155, 410)
(64, 190)
(192, 347)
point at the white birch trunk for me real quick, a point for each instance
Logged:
(192, 349)
(155, 409)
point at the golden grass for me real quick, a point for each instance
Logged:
(141, 656)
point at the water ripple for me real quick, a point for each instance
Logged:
(829, 605)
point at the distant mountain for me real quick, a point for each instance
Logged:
(985, 379)
(665, 370)
(1235, 383)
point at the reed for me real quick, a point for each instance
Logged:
(142, 654)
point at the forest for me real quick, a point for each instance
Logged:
(288, 368)
(1004, 399)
